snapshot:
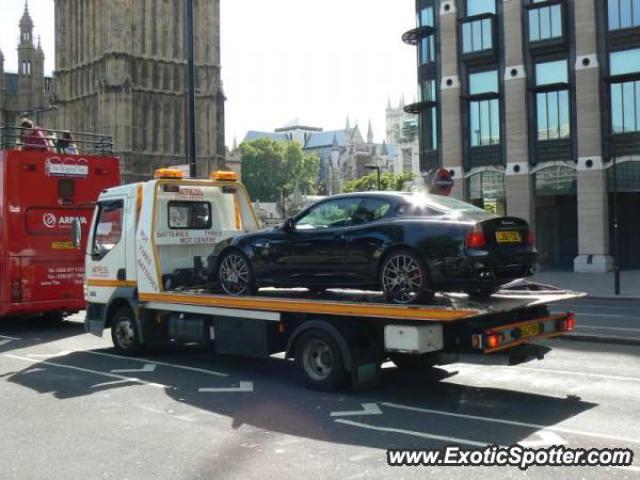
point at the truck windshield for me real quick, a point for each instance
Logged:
(108, 226)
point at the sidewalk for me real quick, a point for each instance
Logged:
(597, 285)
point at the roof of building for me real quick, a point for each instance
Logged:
(326, 139)
(256, 135)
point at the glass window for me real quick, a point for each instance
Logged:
(425, 17)
(484, 122)
(478, 7)
(427, 50)
(429, 130)
(370, 210)
(625, 61)
(625, 107)
(108, 227)
(477, 35)
(483, 82)
(553, 115)
(331, 214)
(552, 72)
(623, 14)
(428, 91)
(556, 180)
(545, 23)
(190, 215)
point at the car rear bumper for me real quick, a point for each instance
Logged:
(481, 271)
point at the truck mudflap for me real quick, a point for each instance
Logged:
(506, 337)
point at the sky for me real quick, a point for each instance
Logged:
(289, 59)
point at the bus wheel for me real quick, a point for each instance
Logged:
(320, 360)
(124, 332)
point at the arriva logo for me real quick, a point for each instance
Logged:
(51, 221)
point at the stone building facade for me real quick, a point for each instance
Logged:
(120, 69)
(534, 106)
(25, 93)
(402, 135)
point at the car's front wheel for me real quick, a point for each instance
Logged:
(404, 279)
(235, 275)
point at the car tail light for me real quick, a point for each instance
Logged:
(475, 238)
(494, 340)
(567, 324)
(531, 239)
(16, 291)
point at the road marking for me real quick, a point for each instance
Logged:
(546, 438)
(148, 367)
(244, 387)
(9, 338)
(4, 342)
(414, 434)
(155, 362)
(568, 372)
(512, 422)
(631, 468)
(63, 353)
(621, 329)
(85, 370)
(368, 409)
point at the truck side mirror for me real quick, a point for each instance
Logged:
(289, 226)
(76, 232)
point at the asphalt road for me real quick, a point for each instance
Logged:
(70, 408)
(605, 318)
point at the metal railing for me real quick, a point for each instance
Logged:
(20, 138)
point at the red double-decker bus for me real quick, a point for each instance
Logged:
(42, 191)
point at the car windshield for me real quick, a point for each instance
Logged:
(445, 205)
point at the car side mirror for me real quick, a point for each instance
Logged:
(76, 233)
(289, 226)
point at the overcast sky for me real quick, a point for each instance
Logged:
(287, 59)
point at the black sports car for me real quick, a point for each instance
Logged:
(408, 245)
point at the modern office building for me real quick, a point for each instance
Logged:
(533, 105)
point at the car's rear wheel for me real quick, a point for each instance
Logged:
(236, 275)
(404, 279)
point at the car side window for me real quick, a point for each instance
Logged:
(331, 214)
(409, 210)
(370, 210)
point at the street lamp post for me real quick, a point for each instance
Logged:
(377, 169)
(191, 96)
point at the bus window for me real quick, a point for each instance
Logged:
(66, 189)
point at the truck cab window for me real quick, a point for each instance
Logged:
(108, 227)
(190, 215)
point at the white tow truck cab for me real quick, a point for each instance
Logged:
(147, 278)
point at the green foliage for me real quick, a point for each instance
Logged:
(271, 168)
(388, 181)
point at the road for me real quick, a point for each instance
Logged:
(606, 317)
(70, 409)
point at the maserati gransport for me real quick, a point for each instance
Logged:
(407, 245)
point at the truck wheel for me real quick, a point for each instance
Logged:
(320, 360)
(235, 275)
(124, 332)
(404, 279)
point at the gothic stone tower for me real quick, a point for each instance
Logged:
(121, 70)
(31, 84)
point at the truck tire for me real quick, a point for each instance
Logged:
(124, 332)
(320, 361)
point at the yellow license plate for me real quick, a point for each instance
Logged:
(530, 329)
(509, 236)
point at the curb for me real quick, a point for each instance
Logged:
(610, 339)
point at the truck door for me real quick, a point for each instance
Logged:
(106, 252)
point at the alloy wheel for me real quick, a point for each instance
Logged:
(235, 275)
(402, 279)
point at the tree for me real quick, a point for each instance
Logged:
(388, 181)
(271, 169)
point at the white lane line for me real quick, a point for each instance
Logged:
(515, 423)
(9, 338)
(63, 353)
(617, 329)
(148, 367)
(156, 362)
(414, 434)
(86, 370)
(546, 438)
(367, 409)
(243, 387)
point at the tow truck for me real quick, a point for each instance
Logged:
(147, 280)
(42, 193)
